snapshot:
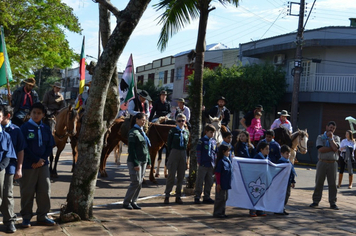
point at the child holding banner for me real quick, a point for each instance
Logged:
(223, 172)
(285, 152)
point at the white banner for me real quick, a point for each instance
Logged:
(258, 184)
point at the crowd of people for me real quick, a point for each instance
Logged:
(26, 146)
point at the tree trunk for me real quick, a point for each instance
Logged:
(82, 187)
(111, 104)
(197, 97)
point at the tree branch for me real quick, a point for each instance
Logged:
(109, 6)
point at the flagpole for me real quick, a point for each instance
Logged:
(135, 87)
(6, 75)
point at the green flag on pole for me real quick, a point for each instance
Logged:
(5, 69)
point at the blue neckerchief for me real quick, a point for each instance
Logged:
(209, 151)
(263, 157)
(181, 136)
(324, 137)
(143, 134)
(287, 160)
(39, 130)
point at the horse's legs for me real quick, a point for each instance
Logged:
(165, 164)
(104, 157)
(292, 155)
(159, 160)
(153, 153)
(54, 170)
(51, 157)
(74, 146)
(117, 153)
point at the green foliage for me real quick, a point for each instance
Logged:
(35, 34)
(45, 78)
(244, 86)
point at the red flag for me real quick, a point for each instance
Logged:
(82, 74)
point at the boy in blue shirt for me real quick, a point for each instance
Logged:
(35, 173)
(285, 151)
(206, 155)
(13, 170)
(274, 148)
(227, 138)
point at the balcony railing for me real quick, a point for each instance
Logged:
(325, 83)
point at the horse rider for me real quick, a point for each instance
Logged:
(246, 120)
(182, 108)
(137, 105)
(161, 107)
(282, 121)
(22, 99)
(53, 100)
(220, 110)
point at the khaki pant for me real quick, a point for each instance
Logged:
(7, 206)
(177, 163)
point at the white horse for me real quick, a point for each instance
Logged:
(216, 122)
(299, 144)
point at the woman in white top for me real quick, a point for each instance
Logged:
(344, 160)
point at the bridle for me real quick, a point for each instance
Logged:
(300, 147)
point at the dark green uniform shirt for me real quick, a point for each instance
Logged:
(174, 139)
(138, 148)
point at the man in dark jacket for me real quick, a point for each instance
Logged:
(22, 100)
(161, 107)
(53, 100)
(221, 110)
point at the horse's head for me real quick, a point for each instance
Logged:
(303, 141)
(216, 122)
(72, 119)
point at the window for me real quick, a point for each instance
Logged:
(172, 76)
(179, 73)
(165, 77)
(140, 79)
(151, 77)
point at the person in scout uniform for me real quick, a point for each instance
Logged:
(177, 143)
(35, 173)
(53, 100)
(22, 99)
(13, 171)
(137, 161)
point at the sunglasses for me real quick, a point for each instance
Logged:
(179, 121)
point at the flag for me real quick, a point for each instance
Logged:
(258, 184)
(5, 69)
(82, 75)
(127, 85)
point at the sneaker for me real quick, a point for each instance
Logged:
(127, 206)
(314, 205)
(166, 200)
(135, 206)
(196, 201)
(253, 215)
(179, 200)
(46, 222)
(334, 207)
(26, 223)
(286, 213)
(220, 216)
(262, 214)
(208, 201)
(11, 228)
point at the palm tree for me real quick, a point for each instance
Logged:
(177, 14)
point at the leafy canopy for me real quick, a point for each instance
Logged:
(177, 14)
(34, 34)
(244, 86)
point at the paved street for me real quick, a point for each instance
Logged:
(155, 218)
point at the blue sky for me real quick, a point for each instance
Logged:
(252, 20)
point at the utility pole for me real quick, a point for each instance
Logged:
(298, 65)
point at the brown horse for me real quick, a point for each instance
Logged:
(66, 121)
(112, 139)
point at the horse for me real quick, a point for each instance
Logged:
(111, 139)
(297, 141)
(66, 122)
(219, 129)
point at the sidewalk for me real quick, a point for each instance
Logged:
(156, 218)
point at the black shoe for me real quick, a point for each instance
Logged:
(220, 216)
(135, 206)
(196, 201)
(314, 205)
(127, 206)
(179, 200)
(286, 213)
(334, 207)
(208, 201)
(279, 213)
(10, 228)
(166, 200)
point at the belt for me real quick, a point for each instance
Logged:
(328, 161)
